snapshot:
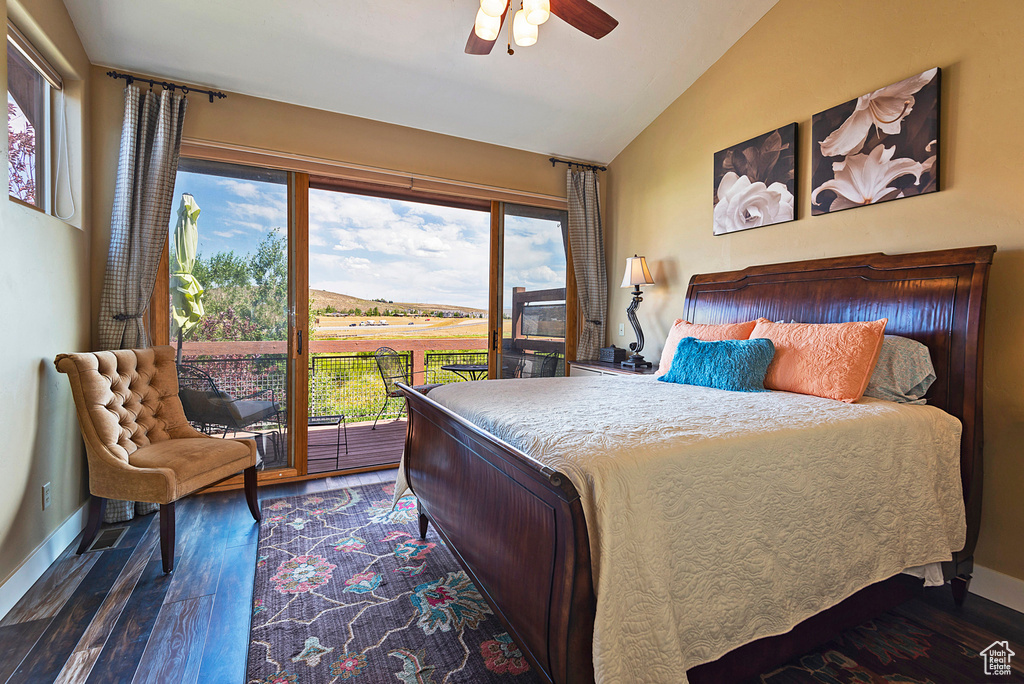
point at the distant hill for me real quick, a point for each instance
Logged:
(340, 302)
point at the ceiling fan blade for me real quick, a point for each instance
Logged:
(585, 16)
(477, 45)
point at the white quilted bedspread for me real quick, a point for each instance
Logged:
(716, 518)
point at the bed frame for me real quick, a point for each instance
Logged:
(517, 526)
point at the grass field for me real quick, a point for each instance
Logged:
(419, 327)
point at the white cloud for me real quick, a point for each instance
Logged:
(227, 234)
(243, 189)
(272, 212)
(372, 247)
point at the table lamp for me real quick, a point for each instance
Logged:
(637, 274)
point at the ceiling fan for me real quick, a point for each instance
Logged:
(580, 14)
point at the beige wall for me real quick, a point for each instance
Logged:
(277, 126)
(803, 57)
(45, 289)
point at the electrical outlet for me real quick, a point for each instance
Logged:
(46, 496)
(622, 328)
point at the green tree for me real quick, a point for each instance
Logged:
(223, 269)
(249, 291)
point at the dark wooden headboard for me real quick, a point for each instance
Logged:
(937, 298)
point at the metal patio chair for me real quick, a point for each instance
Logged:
(207, 407)
(392, 367)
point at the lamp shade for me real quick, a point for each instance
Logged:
(487, 27)
(524, 32)
(537, 11)
(493, 8)
(637, 272)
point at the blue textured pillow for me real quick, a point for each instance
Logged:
(736, 365)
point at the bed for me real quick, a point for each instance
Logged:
(519, 529)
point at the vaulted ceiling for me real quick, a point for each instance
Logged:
(402, 61)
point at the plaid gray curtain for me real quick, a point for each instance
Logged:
(586, 238)
(139, 224)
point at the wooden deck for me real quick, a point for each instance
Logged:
(366, 447)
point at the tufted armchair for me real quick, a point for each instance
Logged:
(139, 444)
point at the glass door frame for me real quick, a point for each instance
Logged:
(495, 306)
(298, 320)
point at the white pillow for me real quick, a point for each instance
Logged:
(904, 371)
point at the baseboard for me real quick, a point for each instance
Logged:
(33, 567)
(995, 586)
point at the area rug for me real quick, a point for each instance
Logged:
(890, 649)
(347, 592)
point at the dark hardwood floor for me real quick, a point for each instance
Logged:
(113, 616)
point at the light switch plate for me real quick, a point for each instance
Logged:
(46, 496)
(622, 328)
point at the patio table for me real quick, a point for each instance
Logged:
(473, 371)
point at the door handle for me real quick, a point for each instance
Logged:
(299, 347)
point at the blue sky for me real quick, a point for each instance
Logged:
(379, 248)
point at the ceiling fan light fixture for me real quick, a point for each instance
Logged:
(524, 32)
(487, 27)
(537, 11)
(493, 8)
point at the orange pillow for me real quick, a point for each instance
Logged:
(702, 331)
(830, 360)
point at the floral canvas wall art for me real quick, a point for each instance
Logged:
(755, 182)
(879, 147)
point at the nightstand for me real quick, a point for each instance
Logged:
(580, 368)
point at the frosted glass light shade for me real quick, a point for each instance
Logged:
(523, 31)
(537, 11)
(493, 8)
(487, 27)
(637, 272)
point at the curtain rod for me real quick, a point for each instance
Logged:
(167, 84)
(595, 167)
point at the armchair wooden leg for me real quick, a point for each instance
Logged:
(249, 476)
(167, 536)
(97, 507)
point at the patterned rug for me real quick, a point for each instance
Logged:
(890, 649)
(347, 592)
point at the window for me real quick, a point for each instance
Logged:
(31, 84)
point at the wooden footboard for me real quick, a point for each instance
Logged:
(516, 527)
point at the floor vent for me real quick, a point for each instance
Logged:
(107, 539)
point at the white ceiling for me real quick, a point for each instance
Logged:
(402, 61)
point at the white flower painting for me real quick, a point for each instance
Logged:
(755, 182)
(878, 147)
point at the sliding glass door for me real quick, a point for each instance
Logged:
(281, 289)
(228, 286)
(531, 294)
(405, 276)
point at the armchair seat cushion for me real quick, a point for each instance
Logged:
(188, 464)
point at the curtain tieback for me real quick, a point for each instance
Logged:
(126, 317)
(594, 321)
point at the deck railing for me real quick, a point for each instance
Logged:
(343, 374)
